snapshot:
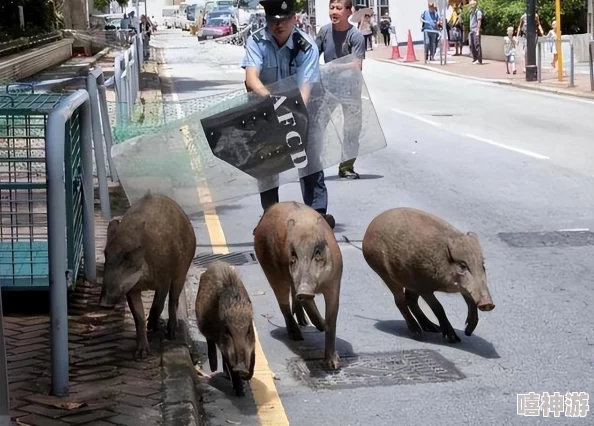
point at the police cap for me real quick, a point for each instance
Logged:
(278, 9)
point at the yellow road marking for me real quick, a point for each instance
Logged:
(268, 403)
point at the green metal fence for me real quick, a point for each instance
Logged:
(23, 191)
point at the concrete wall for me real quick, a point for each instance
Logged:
(493, 48)
(25, 64)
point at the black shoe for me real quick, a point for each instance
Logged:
(348, 174)
(330, 219)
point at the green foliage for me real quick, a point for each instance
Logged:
(40, 18)
(501, 14)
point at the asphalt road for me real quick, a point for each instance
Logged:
(487, 158)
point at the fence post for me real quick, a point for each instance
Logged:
(119, 89)
(56, 229)
(98, 141)
(539, 61)
(86, 153)
(571, 64)
(106, 126)
(4, 393)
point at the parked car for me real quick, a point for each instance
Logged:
(219, 23)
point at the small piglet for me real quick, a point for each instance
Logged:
(225, 318)
(301, 258)
(150, 248)
(416, 254)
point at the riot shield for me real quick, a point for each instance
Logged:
(247, 144)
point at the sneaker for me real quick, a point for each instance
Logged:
(348, 174)
(330, 219)
(474, 62)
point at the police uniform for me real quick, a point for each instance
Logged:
(298, 57)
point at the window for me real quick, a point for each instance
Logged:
(383, 8)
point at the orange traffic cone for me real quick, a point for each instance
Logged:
(395, 48)
(410, 50)
(396, 53)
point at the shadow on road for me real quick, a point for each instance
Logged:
(313, 344)
(245, 405)
(361, 177)
(472, 344)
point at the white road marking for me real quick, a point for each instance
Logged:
(417, 117)
(475, 137)
(511, 148)
(574, 230)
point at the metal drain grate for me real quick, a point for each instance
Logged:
(548, 239)
(383, 369)
(239, 258)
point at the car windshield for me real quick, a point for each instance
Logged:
(219, 21)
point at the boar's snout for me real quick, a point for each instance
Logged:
(106, 301)
(486, 304)
(305, 292)
(242, 370)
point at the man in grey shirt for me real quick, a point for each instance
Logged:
(335, 40)
(476, 22)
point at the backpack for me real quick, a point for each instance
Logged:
(483, 20)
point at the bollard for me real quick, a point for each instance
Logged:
(539, 62)
(591, 54)
(571, 64)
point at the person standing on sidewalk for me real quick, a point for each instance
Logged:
(275, 52)
(431, 22)
(367, 31)
(335, 40)
(474, 40)
(385, 24)
(510, 43)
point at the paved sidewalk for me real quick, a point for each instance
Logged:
(107, 387)
(490, 71)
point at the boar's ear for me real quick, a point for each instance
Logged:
(472, 235)
(290, 224)
(455, 248)
(112, 228)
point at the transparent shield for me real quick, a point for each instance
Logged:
(247, 144)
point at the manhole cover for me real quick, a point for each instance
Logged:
(384, 369)
(235, 258)
(548, 239)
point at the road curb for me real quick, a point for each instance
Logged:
(489, 80)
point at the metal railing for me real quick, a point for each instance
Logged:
(57, 214)
(126, 79)
(101, 128)
(539, 55)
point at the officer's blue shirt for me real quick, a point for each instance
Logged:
(273, 62)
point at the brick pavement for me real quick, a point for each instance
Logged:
(107, 387)
(492, 70)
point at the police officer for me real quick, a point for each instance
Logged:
(275, 52)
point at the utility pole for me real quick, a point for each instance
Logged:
(531, 71)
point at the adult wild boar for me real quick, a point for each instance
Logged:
(225, 317)
(301, 258)
(416, 254)
(150, 248)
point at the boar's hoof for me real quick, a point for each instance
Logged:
(152, 324)
(142, 351)
(451, 335)
(295, 333)
(171, 329)
(470, 326)
(332, 363)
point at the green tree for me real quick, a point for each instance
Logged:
(500, 14)
(104, 4)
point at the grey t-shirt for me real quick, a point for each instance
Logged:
(336, 44)
(474, 18)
